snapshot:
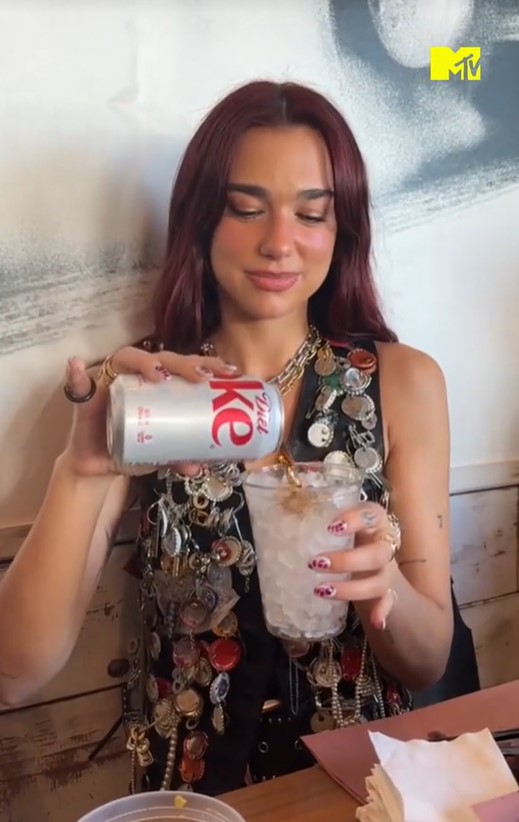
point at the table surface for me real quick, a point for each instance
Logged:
(306, 796)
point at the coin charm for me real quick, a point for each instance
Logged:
(154, 645)
(228, 626)
(191, 770)
(368, 458)
(224, 654)
(216, 489)
(363, 360)
(338, 458)
(219, 688)
(194, 613)
(196, 744)
(247, 562)
(189, 703)
(186, 653)
(203, 672)
(219, 719)
(326, 398)
(152, 689)
(322, 721)
(325, 362)
(326, 674)
(320, 433)
(358, 407)
(226, 551)
(354, 381)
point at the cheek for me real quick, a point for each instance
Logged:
(230, 242)
(318, 245)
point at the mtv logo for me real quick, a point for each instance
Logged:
(445, 63)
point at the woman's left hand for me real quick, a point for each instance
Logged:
(371, 563)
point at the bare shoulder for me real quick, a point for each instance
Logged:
(413, 396)
(409, 369)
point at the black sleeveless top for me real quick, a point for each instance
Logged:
(217, 705)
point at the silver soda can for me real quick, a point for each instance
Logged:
(218, 420)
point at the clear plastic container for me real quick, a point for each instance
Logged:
(164, 806)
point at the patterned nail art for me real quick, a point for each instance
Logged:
(369, 519)
(325, 591)
(204, 372)
(338, 527)
(319, 563)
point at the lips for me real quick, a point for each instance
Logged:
(273, 281)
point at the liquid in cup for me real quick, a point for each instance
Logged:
(290, 527)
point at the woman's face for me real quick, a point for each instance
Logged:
(273, 246)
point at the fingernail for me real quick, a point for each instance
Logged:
(165, 374)
(382, 625)
(369, 519)
(71, 360)
(325, 591)
(229, 366)
(203, 371)
(319, 563)
(338, 527)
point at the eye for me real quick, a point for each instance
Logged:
(311, 218)
(244, 214)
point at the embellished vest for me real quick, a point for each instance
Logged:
(208, 668)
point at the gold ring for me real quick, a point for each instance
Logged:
(106, 373)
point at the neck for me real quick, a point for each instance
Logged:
(260, 348)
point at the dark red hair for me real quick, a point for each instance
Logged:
(186, 300)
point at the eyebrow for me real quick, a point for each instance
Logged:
(262, 193)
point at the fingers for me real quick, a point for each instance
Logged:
(364, 559)
(77, 380)
(373, 586)
(366, 517)
(161, 366)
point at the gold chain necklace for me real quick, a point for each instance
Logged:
(294, 369)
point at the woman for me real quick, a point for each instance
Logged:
(267, 263)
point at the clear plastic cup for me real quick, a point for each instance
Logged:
(289, 524)
(164, 806)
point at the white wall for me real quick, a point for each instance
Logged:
(96, 103)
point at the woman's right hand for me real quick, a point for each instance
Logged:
(86, 450)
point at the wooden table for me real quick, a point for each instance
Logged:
(306, 796)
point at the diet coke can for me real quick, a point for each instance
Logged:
(220, 420)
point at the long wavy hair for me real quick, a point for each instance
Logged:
(186, 309)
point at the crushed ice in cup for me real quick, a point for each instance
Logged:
(289, 534)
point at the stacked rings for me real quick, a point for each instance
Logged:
(106, 373)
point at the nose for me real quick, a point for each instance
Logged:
(277, 241)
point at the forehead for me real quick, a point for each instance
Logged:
(294, 157)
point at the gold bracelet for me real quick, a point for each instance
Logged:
(106, 373)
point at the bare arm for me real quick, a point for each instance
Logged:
(48, 587)
(416, 644)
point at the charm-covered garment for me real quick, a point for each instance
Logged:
(214, 697)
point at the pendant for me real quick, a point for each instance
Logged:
(219, 719)
(203, 672)
(154, 645)
(226, 551)
(368, 458)
(186, 652)
(363, 360)
(189, 704)
(227, 627)
(191, 770)
(219, 688)
(354, 381)
(321, 431)
(322, 721)
(338, 458)
(247, 561)
(224, 654)
(194, 613)
(196, 744)
(358, 407)
(325, 674)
